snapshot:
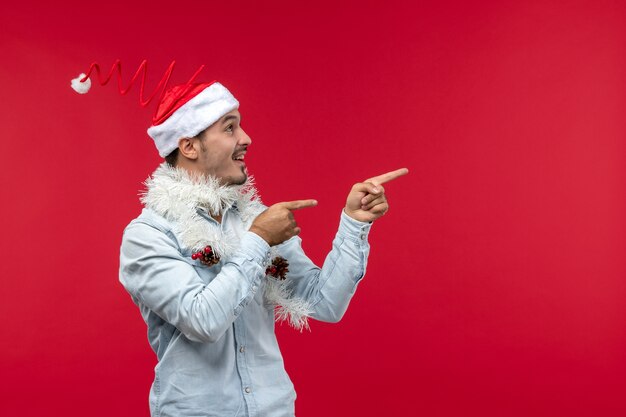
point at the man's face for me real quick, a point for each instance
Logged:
(222, 147)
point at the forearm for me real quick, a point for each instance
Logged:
(330, 288)
(159, 277)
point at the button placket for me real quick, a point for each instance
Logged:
(242, 366)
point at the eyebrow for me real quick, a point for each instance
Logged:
(229, 117)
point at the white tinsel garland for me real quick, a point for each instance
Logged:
(177, 195)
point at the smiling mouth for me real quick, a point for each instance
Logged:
(239, 158)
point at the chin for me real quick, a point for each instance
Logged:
(238, 180)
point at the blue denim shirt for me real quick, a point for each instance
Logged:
(210, 327)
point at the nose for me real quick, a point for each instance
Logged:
(244, 139)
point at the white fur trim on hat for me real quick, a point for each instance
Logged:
(193, 117)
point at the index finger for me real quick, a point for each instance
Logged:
(381, 179)
(298, 204)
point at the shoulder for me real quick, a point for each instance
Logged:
(148, 223)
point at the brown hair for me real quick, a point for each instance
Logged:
(172, 158)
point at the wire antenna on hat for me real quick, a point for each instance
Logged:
(82, 83)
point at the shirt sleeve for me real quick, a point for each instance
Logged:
(154, 272)
(330, 288)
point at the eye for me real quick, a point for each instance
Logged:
(229, 128)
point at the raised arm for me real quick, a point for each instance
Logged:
(330, 288)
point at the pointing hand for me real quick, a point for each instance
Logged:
(367, 201)
(277, 224)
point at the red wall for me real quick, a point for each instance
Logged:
(496, 284)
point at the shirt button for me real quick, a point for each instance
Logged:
(242, 349)
(254, 287)
(248, 390)
(362, 236)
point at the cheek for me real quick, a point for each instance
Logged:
(224, 159)
(219, 154)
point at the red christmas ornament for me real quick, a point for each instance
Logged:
(206, 256)
(279, 268)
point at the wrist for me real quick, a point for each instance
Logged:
(353, 214)
(260, 233)
(353, 229)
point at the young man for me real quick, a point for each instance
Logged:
(211, 268)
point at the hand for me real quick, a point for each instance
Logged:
(276, 224)
(366, 201)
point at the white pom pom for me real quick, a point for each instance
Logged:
(81, 88)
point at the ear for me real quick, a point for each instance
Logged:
(187, 149)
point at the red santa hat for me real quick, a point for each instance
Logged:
(183, 111)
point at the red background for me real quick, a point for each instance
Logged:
(496, 282)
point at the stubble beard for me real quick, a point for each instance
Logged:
(236, 181)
